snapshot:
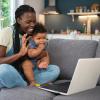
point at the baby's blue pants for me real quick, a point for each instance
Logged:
(9, 77)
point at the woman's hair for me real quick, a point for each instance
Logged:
(38, 28)
(23, 9)
(18, 13)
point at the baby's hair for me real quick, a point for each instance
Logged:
(39, 28)
(23, 9)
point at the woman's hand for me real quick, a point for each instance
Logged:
(24, 49)
(24, 40)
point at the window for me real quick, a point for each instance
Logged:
(7, 10)
(4, 13)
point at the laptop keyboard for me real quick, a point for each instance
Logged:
(61, 87)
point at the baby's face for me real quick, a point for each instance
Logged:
(39, 38)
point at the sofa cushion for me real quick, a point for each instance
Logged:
(98, 55)
(93, 94)
(26, 93)
(65, 53)
(98, 50)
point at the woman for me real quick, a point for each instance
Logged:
(13, 49)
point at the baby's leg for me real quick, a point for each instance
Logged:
(27, 67)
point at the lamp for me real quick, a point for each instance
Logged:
(88, 19)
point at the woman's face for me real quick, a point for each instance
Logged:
(27, 22)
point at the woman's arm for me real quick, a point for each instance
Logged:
(10, 59)
(14, 57)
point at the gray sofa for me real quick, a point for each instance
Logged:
(64, 53)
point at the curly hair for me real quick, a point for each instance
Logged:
(38, 28)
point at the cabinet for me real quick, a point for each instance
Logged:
(88, 16)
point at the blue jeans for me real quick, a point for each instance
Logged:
(46, 75)
(9, 77)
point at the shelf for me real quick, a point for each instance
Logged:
(84, 13)
(88, 24)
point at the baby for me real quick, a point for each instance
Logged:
(38, 57)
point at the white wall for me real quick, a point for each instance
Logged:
(38, 5)
(14, 5)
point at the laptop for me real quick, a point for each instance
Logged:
(85, 77)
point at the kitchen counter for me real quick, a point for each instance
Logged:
(77, 37)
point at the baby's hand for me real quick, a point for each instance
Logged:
(42, 46)
(43, 64)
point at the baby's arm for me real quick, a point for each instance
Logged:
(44, 61)
(34, 52)
(46, 57)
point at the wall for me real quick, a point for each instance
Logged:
(14, 5)
(63, 21)
(37, 4)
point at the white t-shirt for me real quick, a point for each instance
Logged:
(6, 39)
